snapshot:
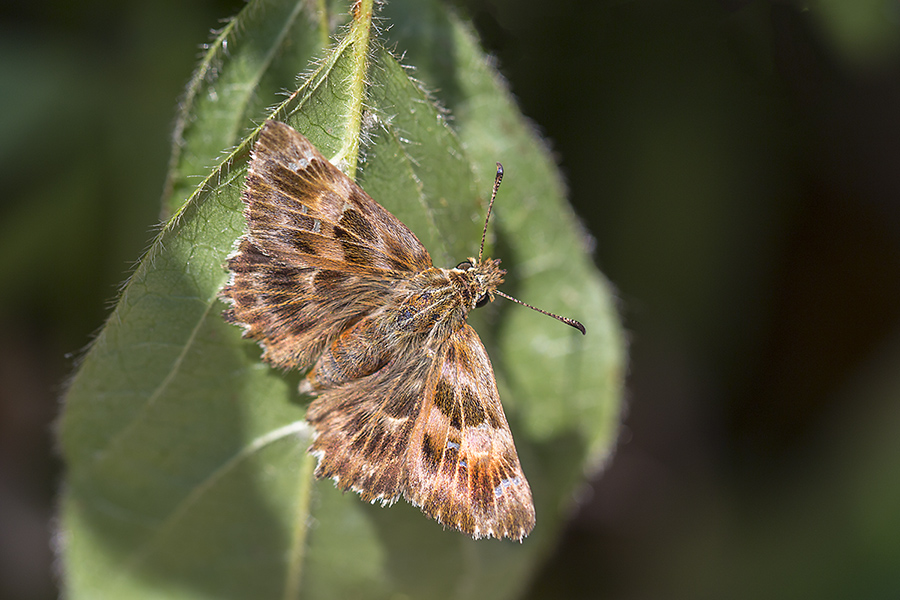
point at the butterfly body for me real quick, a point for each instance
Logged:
(405, 401)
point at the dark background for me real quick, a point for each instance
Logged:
(739, 165)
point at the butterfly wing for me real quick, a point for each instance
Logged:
(319, 252)
(363, 429)
(462, 466)
(434, 430)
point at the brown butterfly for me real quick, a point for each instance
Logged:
(406, 401)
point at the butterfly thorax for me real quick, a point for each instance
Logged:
(437, 301)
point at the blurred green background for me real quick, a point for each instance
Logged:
(736, 161)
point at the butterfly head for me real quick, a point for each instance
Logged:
(482, 279)
(488, 274)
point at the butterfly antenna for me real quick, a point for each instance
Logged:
(497, 181)
(566, 320)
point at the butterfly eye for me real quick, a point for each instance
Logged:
(464, 265)
(482, 301)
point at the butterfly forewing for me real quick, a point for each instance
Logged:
(319, 251)
(301, 204)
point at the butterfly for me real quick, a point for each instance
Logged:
(405, 400)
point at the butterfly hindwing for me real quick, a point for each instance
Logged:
(363, 429)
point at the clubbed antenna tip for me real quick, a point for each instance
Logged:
(566, 320)
(497, 180)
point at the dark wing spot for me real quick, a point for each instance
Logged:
(463, 360)
(472, 410)
(292, 317)
(359, 422)
(451, 457)
(451, 353)
(400, 405)
(279, 198)
(401, 255)
(284, 279)
(431, 454)
(493, 418)
(300, 326)
(354, 222)
(354, 253)
(299, 240)
(284, 186)
(304, 222)
(398, 254)
(358, 197)
(359, 442)
(327, 280)
(445, 401)
(248, 259)
(357, 255)
(378, 437)
(397, 265)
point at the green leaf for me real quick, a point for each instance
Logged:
(188, 475)
(252, 59)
